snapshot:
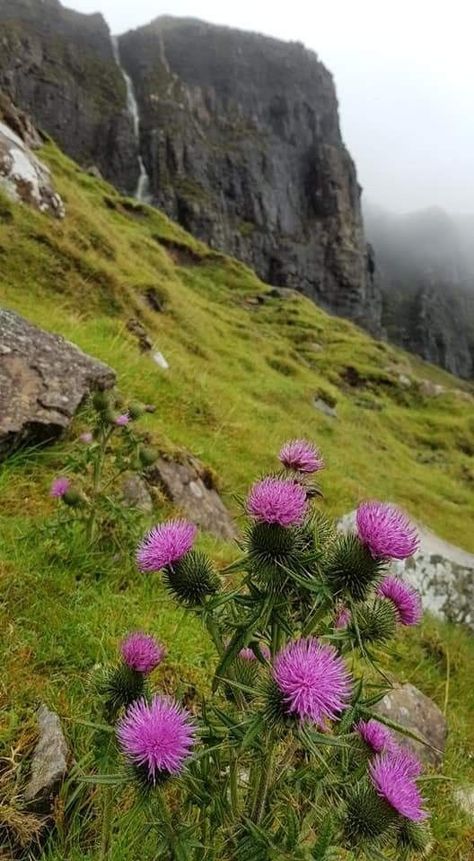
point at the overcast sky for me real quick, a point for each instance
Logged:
(404, 73)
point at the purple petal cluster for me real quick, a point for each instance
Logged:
(141, 652)
(165, 544)
(59, 487)
(386, 530)
(377, 736)
(392, 774)
(342, 618)
(405, 598)
(249, 654)
(301, 456)
(158, 735)
(86, 437)
(122, 420)
(313, 680)
(277, 500)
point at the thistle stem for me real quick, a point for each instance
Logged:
(165, 817)
(264, 782)
(107, 818)
(215, 634)
(234, 784)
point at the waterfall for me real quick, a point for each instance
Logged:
(142, 191)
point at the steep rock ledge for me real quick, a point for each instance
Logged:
(241, 139)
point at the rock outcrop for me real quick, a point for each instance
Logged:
(43, 380)
(49, 763)
(417, 713)
(58, 65)
(442, 572)
(190, 486)
(23, 177)
(241, 141)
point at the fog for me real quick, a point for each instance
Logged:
(405, 79)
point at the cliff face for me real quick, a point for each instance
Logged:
(59, 66)
(240, 136)
(426, 273)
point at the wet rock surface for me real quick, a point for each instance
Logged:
(49, 763)
(442, 572)
(190, 487)
(409, 707)
(43, 380)
(23, 177)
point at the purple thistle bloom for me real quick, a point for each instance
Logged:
(377, 736)
(394, 782)
(165, 544)
(141, 652)
(342, 619)
(406, 599)
(86, 437)
(248, 654)
(386, 530)
(411, 763)
(122, 420)
(302, 456)
(313, 679)
(158, 735)
(277, 500)
(59, 487)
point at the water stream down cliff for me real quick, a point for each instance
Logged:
(142, 191)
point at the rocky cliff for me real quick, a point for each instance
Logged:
(241, 139)
(59, 66)
(426, 273)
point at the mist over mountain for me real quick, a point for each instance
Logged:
(425, 263)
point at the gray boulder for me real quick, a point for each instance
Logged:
(136, 493)
(43, 380)
(190, 487)
(49, 763)
(442, 572)
(410, 708)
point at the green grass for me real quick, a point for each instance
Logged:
(242, 379)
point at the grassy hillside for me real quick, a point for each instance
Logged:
(243, 377)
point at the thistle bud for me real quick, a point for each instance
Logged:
(352, 570)
(119, 687)
(147, 455)
(136, 410)
(414, 836)
(368, 817)
(191, 578)
(101, 401)
(376, 623)
(73, 498)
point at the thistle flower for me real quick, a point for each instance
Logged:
(376, 736)
(59, 487)
(165, 544)
(157, 736)
(276, 500)
(386, 530)
(122, 420)
(86, 437)
(312, 679)
(141, 652)
(248, 654)
(406, 599)
(301, 456)
(342, 618)
(393, 779)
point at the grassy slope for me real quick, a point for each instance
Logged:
(242, 379)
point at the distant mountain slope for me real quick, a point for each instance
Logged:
(425, 265)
